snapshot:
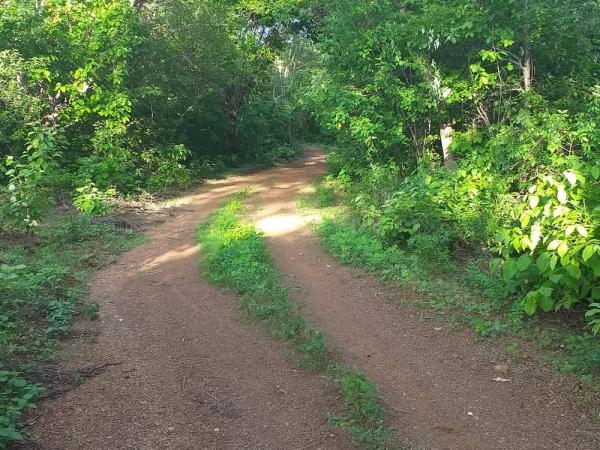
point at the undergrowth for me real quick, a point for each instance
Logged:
(43, 277)
(235, 255)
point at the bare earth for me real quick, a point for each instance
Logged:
(192, 373)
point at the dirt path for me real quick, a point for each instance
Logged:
(438, 384)
(195, 375)
(192, 373)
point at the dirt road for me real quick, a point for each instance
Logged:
(193, 374)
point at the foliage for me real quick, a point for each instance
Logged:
(236, 255)
(365, 416)
(555, 236)
(93, 201)
(470, 295)
(24, 192)
(16, 395)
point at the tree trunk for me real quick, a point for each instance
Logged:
(528, 58)
(232, 133)
(446, 137)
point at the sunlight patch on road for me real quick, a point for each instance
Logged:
(170, 256)
(280, 224)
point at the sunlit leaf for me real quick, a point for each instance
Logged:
(571, 177)
(534, 200)
(562, 249)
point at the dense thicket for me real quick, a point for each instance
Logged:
(469, 122)
(107, 96)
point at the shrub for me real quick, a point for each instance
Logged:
(552, 247)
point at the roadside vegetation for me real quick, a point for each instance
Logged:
(461, 291)
(105, 100)
(43, 282)
(473, 134)
(235, 255)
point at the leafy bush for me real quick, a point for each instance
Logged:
(554, 240)
(93, 201)
(43, 276)
(25, 197)
(169, 169)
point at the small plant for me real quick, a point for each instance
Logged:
(26, 176)
(16, 395)
(93, 201)
(91, 311)
(365, 415)
(325, 195)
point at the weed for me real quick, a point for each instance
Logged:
(365, 415)
(16, 395)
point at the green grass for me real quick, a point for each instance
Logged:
(235, 255)
(43, 277)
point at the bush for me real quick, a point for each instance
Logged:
(552, 249)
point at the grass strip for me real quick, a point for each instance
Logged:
(235, 255)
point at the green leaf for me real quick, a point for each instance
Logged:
(543, 262)
(574, 271)
(523, 262)
(545, 291)
(562, 196)
(554, 244)
(582, 230)
(571, 177)
(592, 312)
(546, 303)
(594, 264)
(563, 249)
(509, 270)
(19, 382)
(595, 171)
(534, 200)
(536, 235)
(569, 230)
(530, 303)
(588, 252)
(555, 277)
